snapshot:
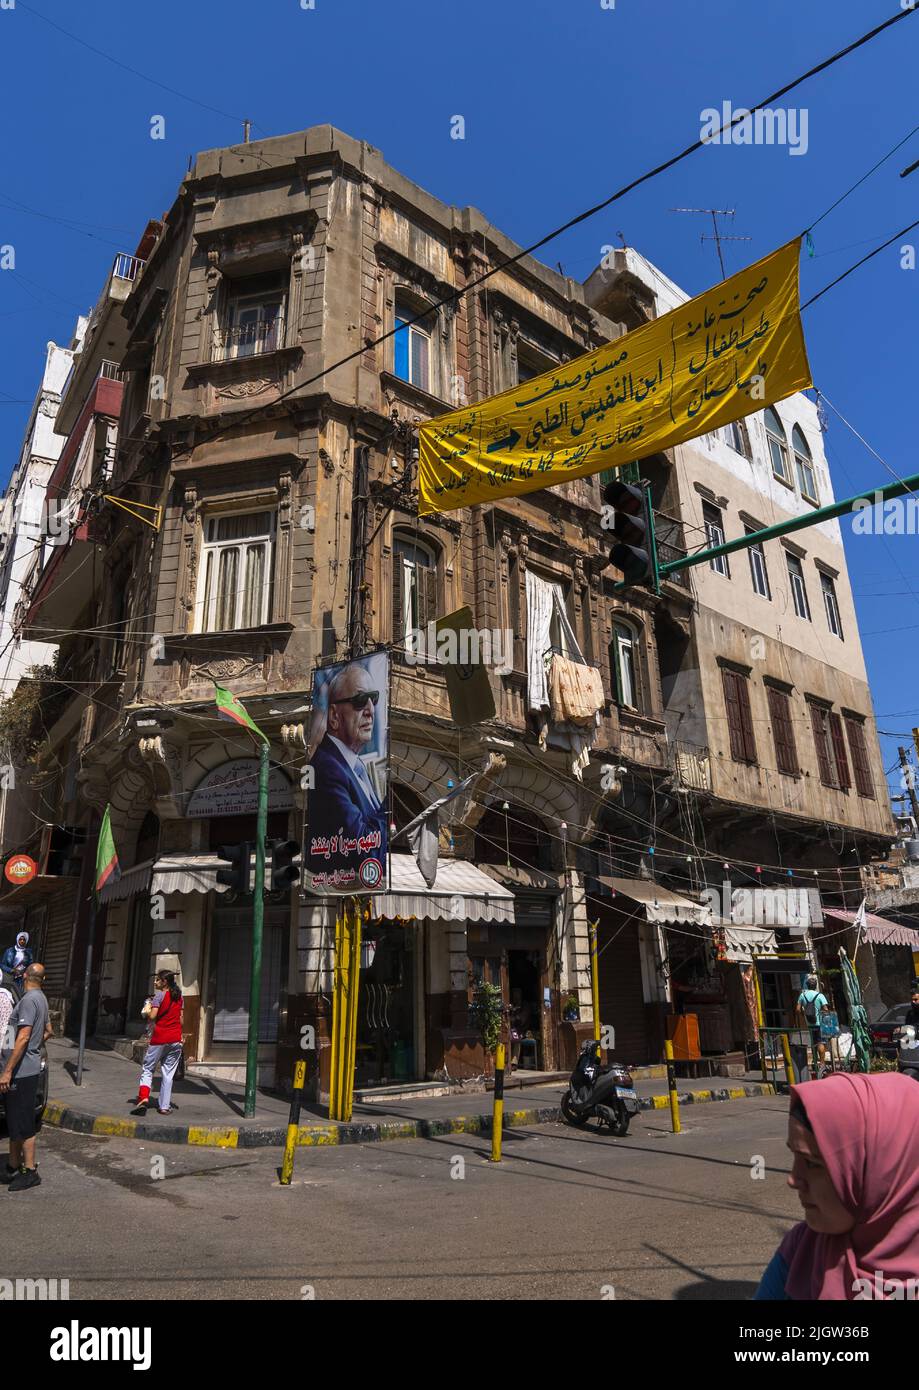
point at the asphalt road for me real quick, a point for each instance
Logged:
(567, 1214)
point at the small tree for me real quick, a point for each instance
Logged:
(486, 1014)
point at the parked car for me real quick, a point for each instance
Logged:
(41, 1099)
(883, 1033)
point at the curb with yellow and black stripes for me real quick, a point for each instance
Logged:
(62, 1116)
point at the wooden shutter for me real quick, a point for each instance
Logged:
(740, 720)
(821, 743)
(862, 768)
(839, 752)
(782, 731)
(426, 582)
(398, 599)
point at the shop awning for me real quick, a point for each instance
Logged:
(878, 931)
(660, 904)
(461, 893)
(746, 944)
(187, 873)
(134, 880)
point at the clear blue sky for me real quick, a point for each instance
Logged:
(563, 102)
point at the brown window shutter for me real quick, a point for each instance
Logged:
(821, 744)
(740, 722)
(782, 731)
(862, 768)
(398, 599)
(426, 579)
(839, 752)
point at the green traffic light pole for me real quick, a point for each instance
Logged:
(781, 528)
(258, 920)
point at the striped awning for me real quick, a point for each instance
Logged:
(878, 931)
(660, 904)
(461, 893)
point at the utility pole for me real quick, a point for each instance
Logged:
(719, 236)
(909, 781)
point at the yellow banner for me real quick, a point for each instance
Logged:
(725, 354)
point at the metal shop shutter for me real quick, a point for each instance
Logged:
(621, 995)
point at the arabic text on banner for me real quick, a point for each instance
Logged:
(725, 354)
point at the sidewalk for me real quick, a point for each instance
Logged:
(211, 1113)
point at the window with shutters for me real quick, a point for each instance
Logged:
(740, 718)
(237, 572)
(778, 446)
(758, 571)
(798, 587)
(714, 536)
(414, 604)
(804, 466)
(783, 732)
(864, 784)
(834, 622)
(624, 661)
(832, 761)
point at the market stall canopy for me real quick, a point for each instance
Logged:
(462, 894)
(877, 930)
(746, 944)
(660, 904)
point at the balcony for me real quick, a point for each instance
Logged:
(250, 339)
(104, 343)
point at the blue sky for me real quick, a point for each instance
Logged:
(563, 102)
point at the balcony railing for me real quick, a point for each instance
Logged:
(250, 340)
(668, 533)
(111, 371)
(127, 267)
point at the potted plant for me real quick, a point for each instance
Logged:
(486, 1014)
(571, 1009)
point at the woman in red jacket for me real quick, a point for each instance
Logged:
(165, 1045)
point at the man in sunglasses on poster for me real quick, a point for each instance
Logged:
(347, 819)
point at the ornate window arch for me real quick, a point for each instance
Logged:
(804, 465)
(778, 445)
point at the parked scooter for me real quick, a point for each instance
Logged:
(606, 1093)
(909, 1051)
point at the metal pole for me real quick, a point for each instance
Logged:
(87, 975)
(789, 1070)
(909, 780)
(671, 1087)
(594, 976)
(497, 1118)
(293, 1124)
(797, 523)
(258, 919)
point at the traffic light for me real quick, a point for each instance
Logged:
(282, 870)
(633, 527)
(236, 877)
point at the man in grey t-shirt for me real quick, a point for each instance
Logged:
(19, 1077)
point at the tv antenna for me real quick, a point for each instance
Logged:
(719, 237)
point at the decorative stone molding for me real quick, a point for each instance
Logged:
(421, 768)
(227, 668)
(241, 390)
(293, 736)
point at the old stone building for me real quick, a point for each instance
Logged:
(257, 516)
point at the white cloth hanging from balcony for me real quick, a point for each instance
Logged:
(545, 603)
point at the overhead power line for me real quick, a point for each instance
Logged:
(741, 114)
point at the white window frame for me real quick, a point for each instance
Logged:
(804, 467)
(403, 313)
(410, 564)
(626, 640)
(831, 605)
(206, 604)
(243, 303)
(714, 535)
(758, 571)
(781, 441)
(798, 586)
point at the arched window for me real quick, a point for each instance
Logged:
(624, 660)
(414, 602)
(412, 343)
(804, 466)
(778, 445)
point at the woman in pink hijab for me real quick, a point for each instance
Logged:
(855, 1166)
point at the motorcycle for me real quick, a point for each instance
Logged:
(606, 1093)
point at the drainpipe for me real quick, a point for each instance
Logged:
(357, 623)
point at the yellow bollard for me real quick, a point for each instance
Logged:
(497, 1117)
(789, 1070)
(293, 1124)
(671, 1086)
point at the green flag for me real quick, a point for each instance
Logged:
(228, 707)
(108, 869)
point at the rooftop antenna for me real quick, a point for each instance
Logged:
(247, 126)
(719, 236)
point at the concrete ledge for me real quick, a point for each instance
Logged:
(61, 1116)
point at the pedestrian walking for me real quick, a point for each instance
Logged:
(20, 1072)
(810, 1005)
(17, 959)
(165, 1046)
(854, 1141)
